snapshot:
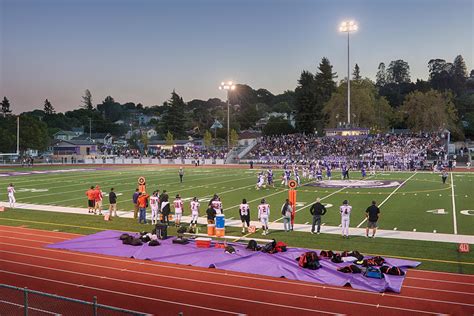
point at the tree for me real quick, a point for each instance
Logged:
(48, 108)
(174, 119)
(381, 77)
(234, 138)
(110, 110)
(398, 72)
(169, 138)
(356, 73)
(305, 103)
(277, 126)
(33, 133)
(5, 107)
(207, 139)
(459, 74)
(368, 108)
(430, 111)
(87, 100)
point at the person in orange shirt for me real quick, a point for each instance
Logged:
(98, 200)
(142, 203)
(90, 199)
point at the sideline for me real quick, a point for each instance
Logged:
(454, 206)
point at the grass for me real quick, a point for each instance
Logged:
(406, 209)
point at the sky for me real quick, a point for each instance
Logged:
(140, 50)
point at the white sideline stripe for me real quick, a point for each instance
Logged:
(29, 308)
(271, 280)
(454, 206)
(231, 285)
(386, 199)
(121, 293)
(170, 288)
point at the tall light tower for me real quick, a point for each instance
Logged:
(348, 27)
(228, 86)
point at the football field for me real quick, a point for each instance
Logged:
(409, 201)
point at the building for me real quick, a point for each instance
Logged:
(151, 133)
(345, 132)
(65, 135)
(97, 138)
(66, 148)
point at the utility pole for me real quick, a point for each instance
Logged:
(90, 128)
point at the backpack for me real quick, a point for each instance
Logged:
(253, 246)
(229, 249)
(270, 247)
(392, 270)
(350, 269)
(373, 272)
(326, 254)
(280, 247)
(124, 236)
(309, 260)
(136, 242)
(336, 258)
(154, 243)
(356, 254)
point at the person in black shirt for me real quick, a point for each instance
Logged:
(372, 213)
(211, 215)
(112, 203)
(317, 210)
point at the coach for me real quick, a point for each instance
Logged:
(372, 213)
(317, 210)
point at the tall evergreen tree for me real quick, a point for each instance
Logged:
(459, 67)
(356, 73)
(174, 119)
(398, 72)
(324, 87)
(381, 77)
(305, 103)
(87, 100)
(48, 108)
(5, 107)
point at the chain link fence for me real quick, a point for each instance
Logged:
(23, 301)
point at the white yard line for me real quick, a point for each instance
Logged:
(454, 206)
(386, 199)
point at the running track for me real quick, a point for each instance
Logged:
(167, 289)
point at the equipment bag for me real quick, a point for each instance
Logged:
(392, 270)
(336, 258)
(280, 246)
(270, 247)
(252, 245)
(309, 260)
(373, 272)
(350, 269)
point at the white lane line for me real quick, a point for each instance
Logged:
(386, 199)
(121, 293)
(454, 206)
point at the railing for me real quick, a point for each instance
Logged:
(23, 301)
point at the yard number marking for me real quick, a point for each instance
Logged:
(439, 211)
(467, 212)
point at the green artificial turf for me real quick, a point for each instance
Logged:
(405, 210)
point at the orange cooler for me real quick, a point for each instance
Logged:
(211, 229)
(220, 232)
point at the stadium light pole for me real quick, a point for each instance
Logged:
(348, 27)
(228, 86)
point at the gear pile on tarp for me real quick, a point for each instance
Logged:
(279, 264)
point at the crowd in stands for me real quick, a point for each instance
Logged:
(178, 152)
(397, 150)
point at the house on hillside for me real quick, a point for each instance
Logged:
(151, 133)
(96, 138)
(65, 135)
(65, 148)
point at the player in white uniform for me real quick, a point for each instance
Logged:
(244, 212)
(217, 205)
(194, 205)
(345, 210)
(11, 195)
(260, 181)
(263, 215)
(178, 210)
(154, 204)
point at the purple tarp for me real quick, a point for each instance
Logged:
(276, 265)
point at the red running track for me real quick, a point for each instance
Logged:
(167, 289)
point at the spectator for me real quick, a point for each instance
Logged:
(112, 203)
(142, 203)
(286, 211)
(372, 213)
(317, 210)
(135, 203)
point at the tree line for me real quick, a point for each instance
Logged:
(393, 100)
